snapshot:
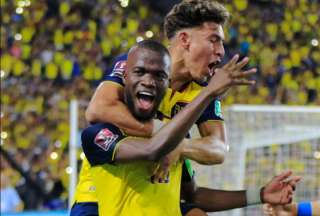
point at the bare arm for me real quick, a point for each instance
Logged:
(171, 134)
(106, 106)
(206, 150)
(278, 190)
(212, 200)
(213, 133)
(168, 137)
(211, 148)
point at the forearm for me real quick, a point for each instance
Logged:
(213, 141)
(107, 105)
(118, 114)
(207, 150)
(218, 200)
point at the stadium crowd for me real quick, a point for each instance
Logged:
(54, 51)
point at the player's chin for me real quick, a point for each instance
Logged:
(144, 114)
(201, 77)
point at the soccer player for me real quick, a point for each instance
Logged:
(306, 208)
(121, 164)
(193, 37)
(194, 29)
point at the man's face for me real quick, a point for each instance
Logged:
(205, 50)
(146, 80)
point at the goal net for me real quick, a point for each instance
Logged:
(264, 141)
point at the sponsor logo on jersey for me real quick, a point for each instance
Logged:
(177, 108)
(105, 138)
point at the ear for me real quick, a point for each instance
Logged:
(184, 39)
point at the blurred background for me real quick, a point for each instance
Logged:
(54, 51)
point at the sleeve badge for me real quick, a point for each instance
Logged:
(105, 138)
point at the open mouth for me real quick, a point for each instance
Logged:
(212, 66)
(145, 100)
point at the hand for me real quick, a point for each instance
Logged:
(278, 210)
(230, 75)
(161, 173)
(148, 128)
(280, 189)
(267, 210)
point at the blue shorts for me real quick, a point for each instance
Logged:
(84, 209)
(91, 209)
(186, 207)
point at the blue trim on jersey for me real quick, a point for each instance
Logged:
(210, 113)
(84, 209)
(114, 79)
(99, 142)
(116, 73)
(122, 57)
(186, 207)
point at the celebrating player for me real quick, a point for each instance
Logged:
(200, 32)
(121, 164)
(194, 29)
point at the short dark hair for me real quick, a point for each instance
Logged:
(192, 13)
(154, 46)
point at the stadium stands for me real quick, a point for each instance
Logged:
(53, 51)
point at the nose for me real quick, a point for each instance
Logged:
(219, 50)
(148, 81)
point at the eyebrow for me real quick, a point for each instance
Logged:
(153, 71)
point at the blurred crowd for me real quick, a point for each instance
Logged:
(282, 40)
(53, 51)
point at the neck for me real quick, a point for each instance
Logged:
(180, 75)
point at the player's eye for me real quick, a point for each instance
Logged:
(215, 40)
(139, 72)
(161, 76)
(164, 76)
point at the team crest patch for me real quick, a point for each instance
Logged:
(105, 138)
(119, 69)
(177, 108)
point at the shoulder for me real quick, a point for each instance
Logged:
(99, 142)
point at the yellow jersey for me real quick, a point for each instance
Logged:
(171, 104)
(85, 190)
(126, 188)
(174, 101)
